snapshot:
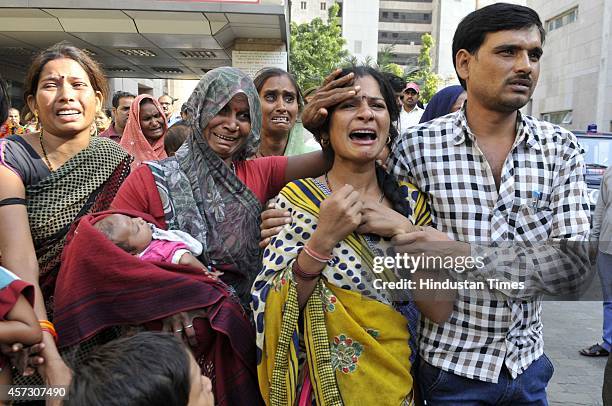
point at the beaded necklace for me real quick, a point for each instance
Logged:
(44, 151)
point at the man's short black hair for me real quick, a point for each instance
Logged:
(120, 95)
(147, 369)
(473, 29)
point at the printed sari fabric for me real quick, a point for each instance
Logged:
(86, 183)
(107, 287)
(202, 196)
(353, 333)
(298, 143)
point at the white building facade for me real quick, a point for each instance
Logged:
(360, 28)
(401, 25)
(304, 11)
(447, 14)
(575, 85)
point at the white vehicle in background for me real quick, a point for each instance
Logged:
(598, 153)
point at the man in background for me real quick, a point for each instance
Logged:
(411, 113)
(12, 126)
(122, 101)
(167, 104)
(601, 235)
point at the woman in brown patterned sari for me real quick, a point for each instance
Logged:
(53, 177)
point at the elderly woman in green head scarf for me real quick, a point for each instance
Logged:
(208, 188)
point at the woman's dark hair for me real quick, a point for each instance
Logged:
(473, 29)
(386, 181)
(176, 136)
(147, 369)
(147, 100)
(268, 73)
(398, 84)
(4, 101)
(65, 50)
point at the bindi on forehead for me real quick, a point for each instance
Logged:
(61, 78)
(367, 97)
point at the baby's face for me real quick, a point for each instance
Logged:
(133, 231)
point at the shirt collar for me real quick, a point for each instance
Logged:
(461, 127)
(524, 130)
(414, 110)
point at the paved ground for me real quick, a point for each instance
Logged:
(568, 327)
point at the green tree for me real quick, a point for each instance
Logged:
(424, 76)
(385, 64)
(385, 56)
(393, 68)
(349, 61)
(316, 49)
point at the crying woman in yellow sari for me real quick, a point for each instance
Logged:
(326, 333)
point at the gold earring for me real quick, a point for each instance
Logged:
(388, 139)
(37, 122)
(324, 142)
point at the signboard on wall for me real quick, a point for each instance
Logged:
(252, 62)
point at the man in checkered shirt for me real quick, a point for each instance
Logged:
(496, 178)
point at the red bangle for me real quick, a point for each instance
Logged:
(299, 272)
(316, 256)
(46, 325)
(52, 332)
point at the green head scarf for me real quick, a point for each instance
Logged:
(212, 93)
(202, 196)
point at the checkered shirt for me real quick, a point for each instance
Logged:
(542, 198)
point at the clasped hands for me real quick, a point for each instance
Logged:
(344, 211)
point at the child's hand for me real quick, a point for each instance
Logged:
(213, 274)
(25, 359)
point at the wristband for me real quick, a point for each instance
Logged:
(299, 272)
(46, 325)
(324, 259)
